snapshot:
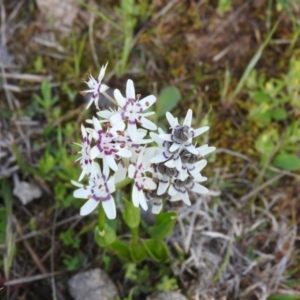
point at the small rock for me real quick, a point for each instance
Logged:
(168, 296)
(26, 191)
(62, 13)
(92, 285)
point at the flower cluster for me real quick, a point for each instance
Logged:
(114, 149)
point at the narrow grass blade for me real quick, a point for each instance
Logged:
(252, 63)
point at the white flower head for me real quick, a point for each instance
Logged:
(180, 139)
(106, 147)
(85, 160)
(182, 136)
(179, 188)
(138, 172)
(96, 87)
(131, 110)
(99, 190)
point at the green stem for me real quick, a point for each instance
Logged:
(101, 218)
(123, 183)
(111, 99)
(134, 235)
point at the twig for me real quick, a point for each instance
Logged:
(52, 255)
(32, 253)
(31, 278)
(261, 187)
(27, 77)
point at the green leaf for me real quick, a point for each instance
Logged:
(224, 6)
(253, 63)
(164, 225)
(105, 237)
(47, 163)
(73, 262)
(287, 161)
(131, 215)
(121, 249)
(261, 97)
(60, 191)
(167, 100)
(283, 297)
(157, 249)
(263, 118)
(3, 217)
(279, 114)
(266, 142)
(69, 238)
(138, 252)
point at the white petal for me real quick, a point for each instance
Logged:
(77, 183)
(156, 206)
(147, 114)
(141, 156)
(156, 138)
(200, 178)
(170, 163)
(200, 130)
(191, 148)
(147, 124)
(116, 119)
(97, 124)
(174, 147)
(147, 102)
(149, 183)
(197, 176)
(163, 185)
(111, 184)
(185, 197)
(172, 121)
(82, 175)
(132, 130)
(83, 131)
(119, 98)
(188, 118)
(88, 207)
(172, 191)
(177, 162)
(105, 114)
(130, 92)
(119, 126)
(102, 72)
(203, 150)
(166, 137)
(95, 152)
(95, 135)
(183, 174)
(82, 193)
(198, 188)
(124, 152)
(141, 133)
(120, 173)
(143, 202)
(200, 165)
(131, 171)
(97, 168)
(135, 196)
(105, 169)
(176, 197)
(109, 208)
(111, 162)
(103, 88)
(160, 157)
(149, 153)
